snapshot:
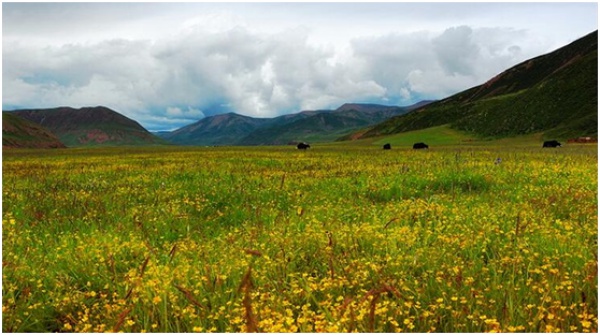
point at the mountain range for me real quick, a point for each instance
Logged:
(554, 94)
(313, 126)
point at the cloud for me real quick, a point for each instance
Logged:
(190, 113)
(456, 51)
(219, 63)
(254, 74)
(425, 65)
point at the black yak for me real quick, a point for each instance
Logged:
(303, 146)
(387, 146)
(551, 144)
(420, 145)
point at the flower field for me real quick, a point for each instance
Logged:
(273, 239)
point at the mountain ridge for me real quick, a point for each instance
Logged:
(89, 126)
(555, 93)
(21, 133)
(312, 125)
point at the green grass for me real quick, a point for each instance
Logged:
(443, 136)
(337, 238)
(434, 136)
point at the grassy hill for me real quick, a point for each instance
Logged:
(322, 126)
(20, 133)
(90, 126)
(554, 94)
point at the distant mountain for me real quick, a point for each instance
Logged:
(20, 133)
(365, 108)
(556, 94)
(90, 126)
(321, 126)
(314, 126)
(222, 129)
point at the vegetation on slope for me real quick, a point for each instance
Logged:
(20, 133)
(324, 126)
(556, 94)
(90, 126)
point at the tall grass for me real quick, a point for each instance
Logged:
(276, 240)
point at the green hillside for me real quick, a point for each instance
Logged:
(90, 126)
(434, 136)
(20, 133)
(555, 94)
(325, 126)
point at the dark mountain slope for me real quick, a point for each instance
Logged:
(321, 126)
(223, 129)
(554, 93)
(20, 133)
(90, 126)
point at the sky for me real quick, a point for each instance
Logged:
(167, 65)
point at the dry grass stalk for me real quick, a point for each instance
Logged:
(376, 293)
(388, 223)
(189, 296)
(249, 317)
(143, 268)
(253, 252)
(282, 181)
(121, 319)
(172, 252)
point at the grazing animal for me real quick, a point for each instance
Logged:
(303, 146)
(387, 146)
(551, 144)
(420, 145)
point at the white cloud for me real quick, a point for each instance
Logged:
(160, 65)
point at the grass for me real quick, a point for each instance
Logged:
(337, 238)
(441, 135)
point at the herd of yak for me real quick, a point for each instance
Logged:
(421, 145)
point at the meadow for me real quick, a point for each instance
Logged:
(339, 238)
